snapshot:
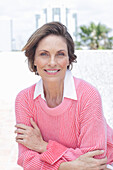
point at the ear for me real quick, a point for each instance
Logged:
(35, 66)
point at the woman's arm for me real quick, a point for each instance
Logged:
(57, 153)
(85, 162)
(28, 158)
(32, 139)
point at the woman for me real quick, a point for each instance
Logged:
(60, 124)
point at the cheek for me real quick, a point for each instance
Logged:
(64, 63)
(40, 63)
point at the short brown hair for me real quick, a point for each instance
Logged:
(55, 28)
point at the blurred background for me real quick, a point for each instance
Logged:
(89, 23)
(20, 18)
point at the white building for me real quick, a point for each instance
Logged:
(5, 34)
(67, 16)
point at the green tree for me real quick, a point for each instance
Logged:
(95, 37)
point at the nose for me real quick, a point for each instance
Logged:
(52, 61)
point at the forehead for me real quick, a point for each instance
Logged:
(52, 41)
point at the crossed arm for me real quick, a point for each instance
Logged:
(31, 138)
(35, 153)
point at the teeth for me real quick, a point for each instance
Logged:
(51, 71)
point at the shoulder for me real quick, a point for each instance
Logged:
(89, 100)
(85, 89)
(24, 105)
(26, 94)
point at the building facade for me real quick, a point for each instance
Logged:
(5, 34)
(67, 16)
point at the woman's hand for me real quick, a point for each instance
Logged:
(30, 137)
(86, 162)
(90, 162)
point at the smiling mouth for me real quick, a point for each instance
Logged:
(52, 71)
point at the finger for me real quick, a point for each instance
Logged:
(94, 153)
(33, 123)
(21, 131)
(99, 162)
(103, 167)
(22, 126)
(19, 137)
(103, 161)
(21, 141)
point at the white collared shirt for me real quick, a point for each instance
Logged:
(69, 87)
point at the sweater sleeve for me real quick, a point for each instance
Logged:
(92, 130)
(29, 159)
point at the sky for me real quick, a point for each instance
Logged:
(88, 10)
(21, 11)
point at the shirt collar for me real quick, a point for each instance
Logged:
(69, 87)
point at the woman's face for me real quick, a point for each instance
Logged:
(51, 58)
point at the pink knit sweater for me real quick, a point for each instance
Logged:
(71, 129)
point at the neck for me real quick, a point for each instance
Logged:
(53, 93)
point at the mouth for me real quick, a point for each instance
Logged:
(52, 71)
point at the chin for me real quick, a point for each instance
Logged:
(52, 79)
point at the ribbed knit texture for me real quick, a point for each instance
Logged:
(71, 129)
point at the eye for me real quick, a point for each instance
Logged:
(61, 54)
(43, 54)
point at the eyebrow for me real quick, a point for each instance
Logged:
(43, 50)
(57, 51)
(62, 50)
